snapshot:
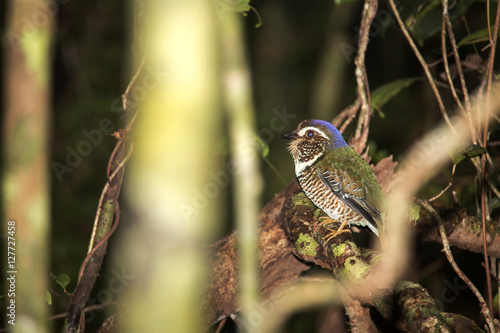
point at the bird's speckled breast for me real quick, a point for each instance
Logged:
(326, 200)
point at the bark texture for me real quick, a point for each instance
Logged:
(406, 304)
(278, 266)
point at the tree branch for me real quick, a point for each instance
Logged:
(91, 266)
(359, 316)
(446, 247)
(278, 265)
(463, 231)
(359, 271)
(363, 90)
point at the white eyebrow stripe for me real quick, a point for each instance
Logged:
(305, 129)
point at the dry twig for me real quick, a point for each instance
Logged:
(107, 211)
(446, 188)
(446, 248)
(363, 90)
(484, 204)
(424, 65)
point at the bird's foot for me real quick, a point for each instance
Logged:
(335, 232)
(326, 220)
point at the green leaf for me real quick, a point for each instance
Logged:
(383, 94)
(476, 37)
(457, 157)
(262, 146)
(429, 18)
(339, 2)
(410, 8)
(237, 6)
(494, 203)
(474, 150)
(48, 297)
(62, 280)
(471, 151)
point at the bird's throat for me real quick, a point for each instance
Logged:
(303, 165)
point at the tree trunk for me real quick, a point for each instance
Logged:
(25, 177)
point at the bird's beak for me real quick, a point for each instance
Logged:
(289, 135)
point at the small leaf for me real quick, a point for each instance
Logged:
(62, 280)
(239, 6)
(476, 37)
(48, 297)
(383, 94)
(471, 151)
(429, 18)
(494, 203)
(457, 157)
(409, 9)
(339, 2)
(262, 146)
(474, 150)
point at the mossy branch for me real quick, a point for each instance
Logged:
(360, 273)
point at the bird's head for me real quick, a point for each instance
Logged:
(311, 140)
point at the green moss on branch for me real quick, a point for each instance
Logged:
(358, 270)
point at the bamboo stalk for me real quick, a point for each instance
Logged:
(248, 181)
(169, 188)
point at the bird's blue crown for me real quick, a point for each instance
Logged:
(337, 139)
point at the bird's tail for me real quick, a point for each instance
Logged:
(373, 228)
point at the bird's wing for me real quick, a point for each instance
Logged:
(353, 182)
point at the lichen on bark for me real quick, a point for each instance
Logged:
(361, 271)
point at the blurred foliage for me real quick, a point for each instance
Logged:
(383, 94)
(425, 17)
(479, 36)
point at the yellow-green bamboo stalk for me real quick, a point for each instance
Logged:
(248, 182)
(169, 187)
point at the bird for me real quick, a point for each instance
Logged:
(336, 178)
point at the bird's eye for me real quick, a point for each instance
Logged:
(310, 134)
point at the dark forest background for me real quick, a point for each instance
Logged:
(301, 59)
